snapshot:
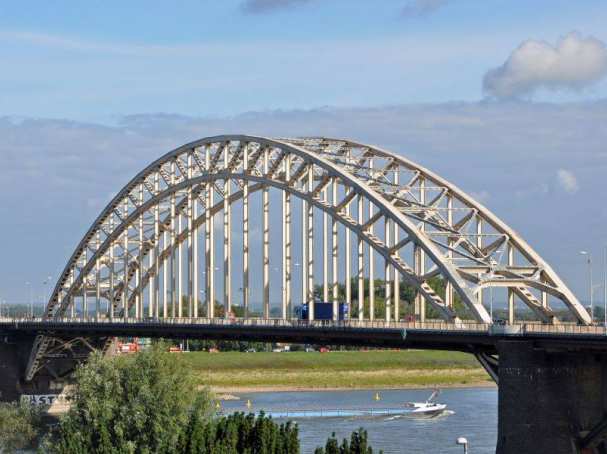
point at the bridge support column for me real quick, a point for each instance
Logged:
(10, 371)
(371, 266)
(13, 360)
(361, 263)
(551, 401)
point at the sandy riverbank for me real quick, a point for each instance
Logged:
(231, 393)
(234, 372)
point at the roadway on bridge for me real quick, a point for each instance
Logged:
(431, 335)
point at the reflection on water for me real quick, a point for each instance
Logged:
(474, 417)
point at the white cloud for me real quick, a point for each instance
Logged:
(266, 6)
(574, 63)
(416, 8)
(567, 181)
(481, 196)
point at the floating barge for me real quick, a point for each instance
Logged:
(338, 413)
(351, 413)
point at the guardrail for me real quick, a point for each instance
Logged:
(490, 329)
(262, 322)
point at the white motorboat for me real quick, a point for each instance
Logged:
(427, 409)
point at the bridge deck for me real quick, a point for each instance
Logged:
(431, 335)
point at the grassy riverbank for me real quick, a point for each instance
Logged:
(234, 371)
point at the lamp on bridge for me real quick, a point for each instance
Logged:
(31, 301)
(605, 285)
(493, 264)
(590, 288)
(464, 442)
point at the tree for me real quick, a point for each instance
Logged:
(438, 285)
(358, 444)
(141, 403)
(407, 294)
(331, 447)
(20, 426)
(241, 434)
(148, 403)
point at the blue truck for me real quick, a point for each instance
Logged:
(322, 311)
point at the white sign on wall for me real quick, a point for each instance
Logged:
(42, 399)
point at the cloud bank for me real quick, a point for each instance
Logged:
(573, 63)
(517, 158)
(417, 8)
(267, 6)
(568, 181)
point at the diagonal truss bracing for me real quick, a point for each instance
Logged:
(130, 263)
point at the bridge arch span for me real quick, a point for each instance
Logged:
(131, 261)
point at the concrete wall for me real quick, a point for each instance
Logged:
(12, 362)
(548, 399)
(14, 354)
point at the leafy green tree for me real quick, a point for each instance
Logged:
(20, 426)
(242, 434)
(148, 403)
(438, 285)
(142, 403)
(228, 346)
(358, 444)
(407, 292)
(407, 295)
(331, 447)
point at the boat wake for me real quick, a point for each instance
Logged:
(433, 416)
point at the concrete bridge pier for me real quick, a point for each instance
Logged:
(14, 353)
(551, 400)
(10, 370)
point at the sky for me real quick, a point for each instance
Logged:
(507, 99)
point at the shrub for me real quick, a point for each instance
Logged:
(141, 403)
(20, 426)
(357, 445)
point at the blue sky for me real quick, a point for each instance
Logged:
(100, 60)
(488, 93)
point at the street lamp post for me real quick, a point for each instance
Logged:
(32, 299)
(493, 264)
(491, 303)
(202, 295)
(28, 284)
(462, 442)
(45, 282)
(605, 286)
(590, 288)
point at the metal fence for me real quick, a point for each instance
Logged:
(441, 326)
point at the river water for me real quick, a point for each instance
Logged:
(474, 417)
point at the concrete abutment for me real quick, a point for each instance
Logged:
(14, 354)
(550, 401)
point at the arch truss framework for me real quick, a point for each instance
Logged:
(142, 257)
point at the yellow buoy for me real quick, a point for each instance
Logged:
(217, 406)
(249, 405)
(377, 396)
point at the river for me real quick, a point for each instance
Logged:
(474, 417)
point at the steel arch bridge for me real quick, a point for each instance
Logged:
(152, 250)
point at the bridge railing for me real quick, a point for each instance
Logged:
(263, 322)
(441, 326)
(565, 328)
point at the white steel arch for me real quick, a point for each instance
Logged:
(430, 228)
